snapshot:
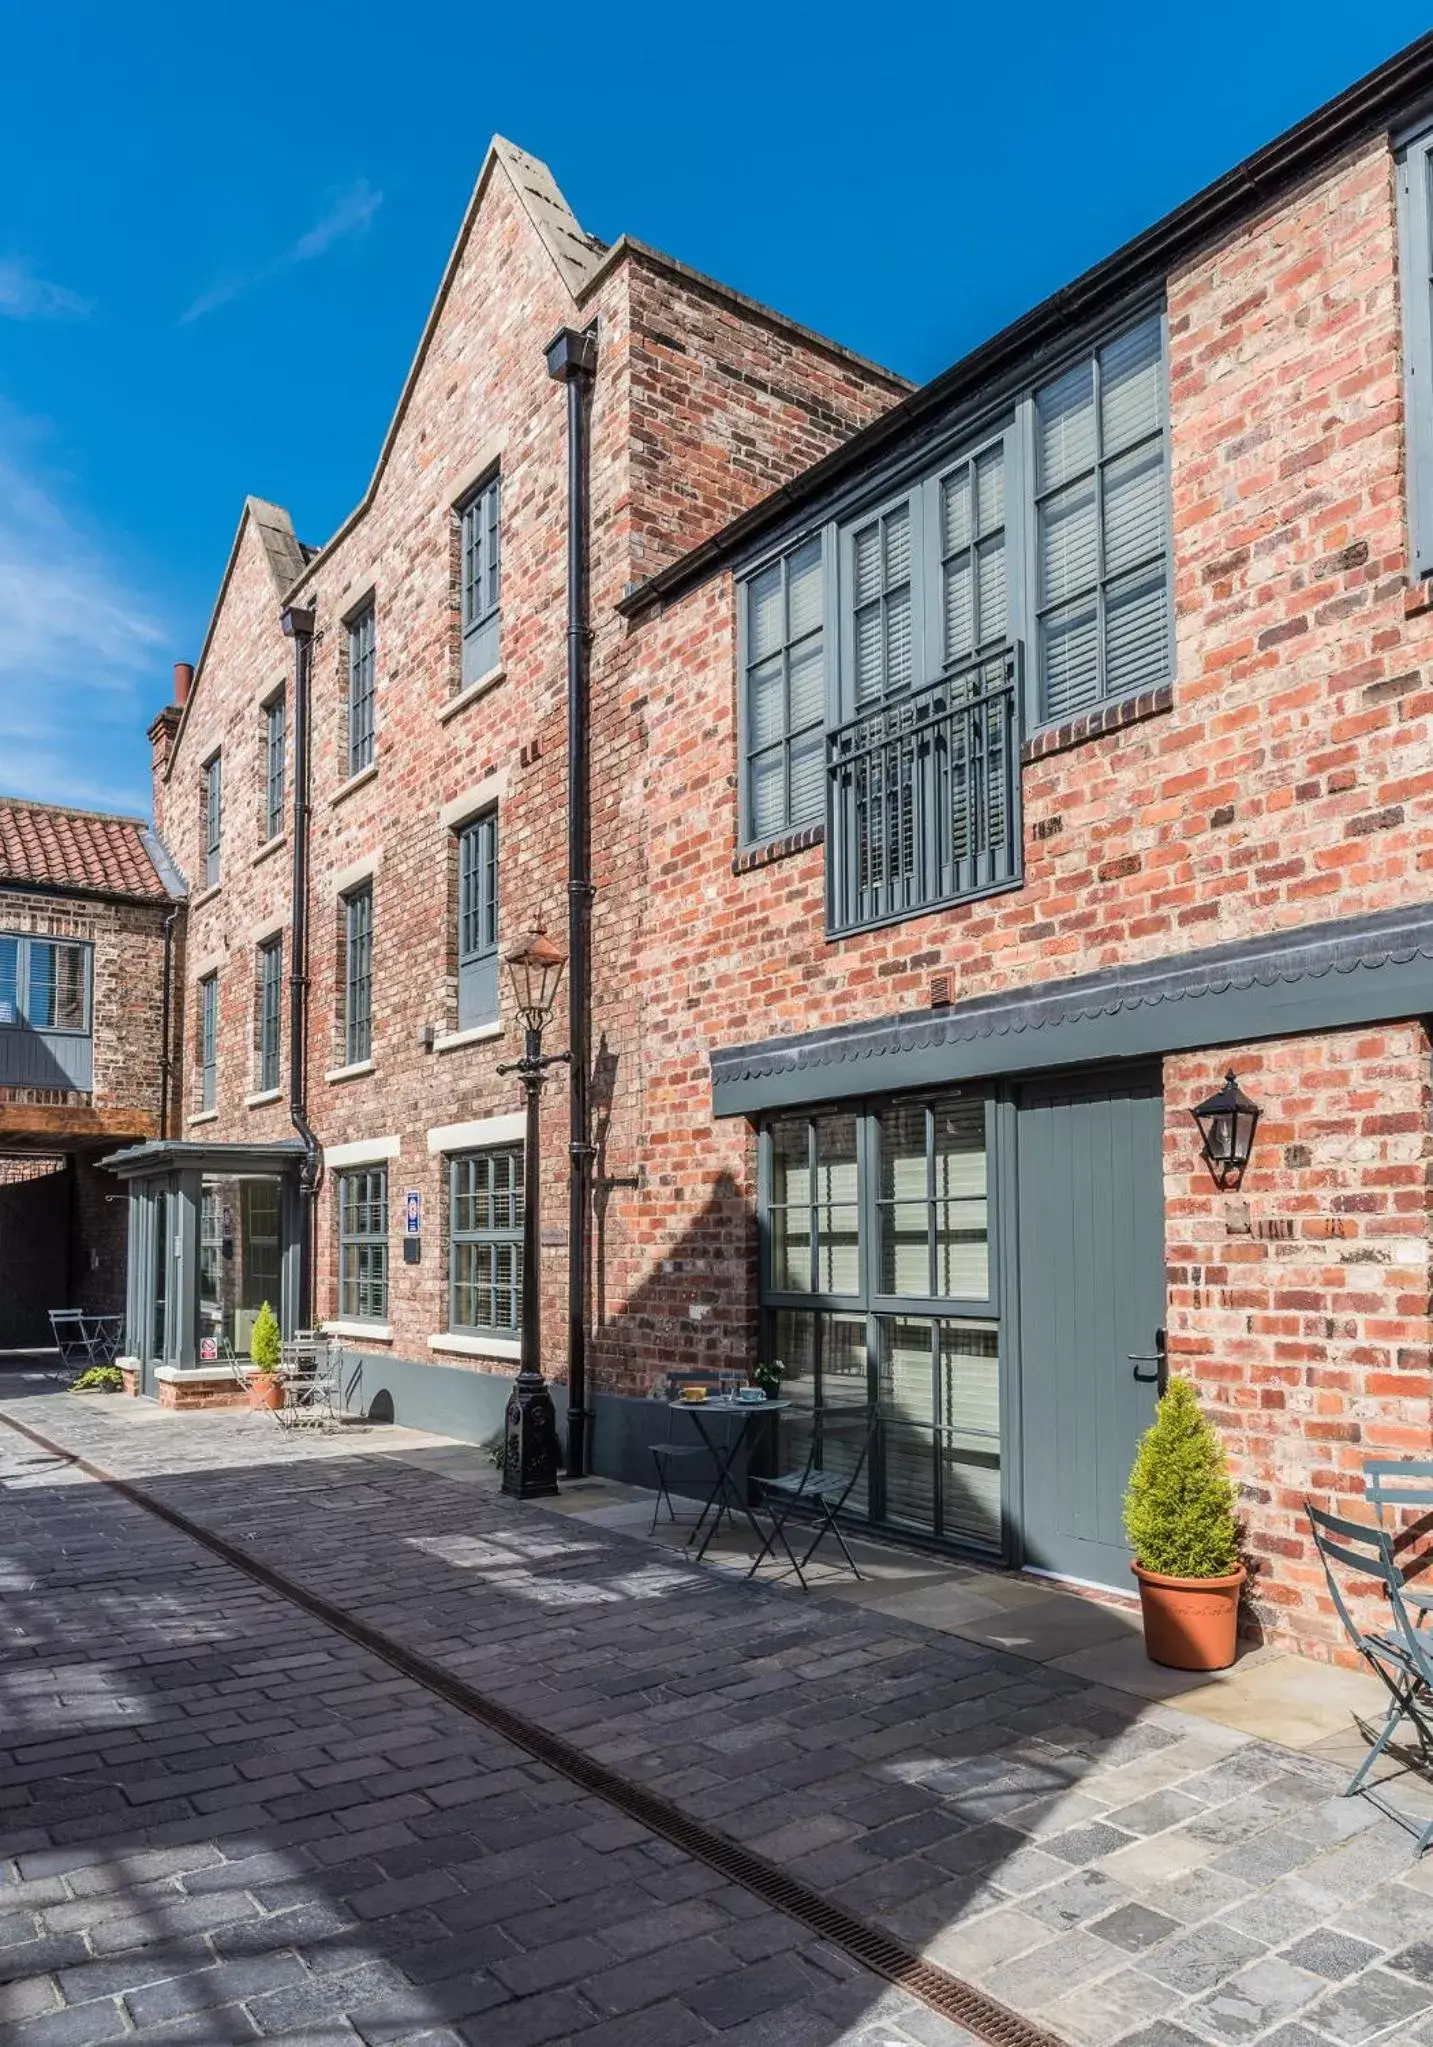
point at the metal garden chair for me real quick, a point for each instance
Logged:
(821, 1489)
(1400, 1655)
(310, 1365)
(681, 1456)
(1405, 1482)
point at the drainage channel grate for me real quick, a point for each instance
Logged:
(879, 1952)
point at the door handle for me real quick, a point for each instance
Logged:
(1159, 1358)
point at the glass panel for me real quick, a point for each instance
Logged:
(69, 987)
(9, 980)
(1065, 426)
(1136, 632)
(869, 632)
(907, 1407)
(766, 702)
(808, 777)
(1069, 543)
(898, 640)
(768, 792)
(955, 511)
(808, 685)
(959, 608)
(969, 1359)
(1130, 386)
(837, 1214)
(40, 992)
(1069, 659)
(905, 1232)
(805, 600)
(962, 1262)
(991, 589)
(866, 552)
(1134, 507)
(845, 1389)
(990, 489)
(764, 614)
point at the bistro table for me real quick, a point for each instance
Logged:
(726, 1495)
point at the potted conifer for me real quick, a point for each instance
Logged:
(265, 1349)
(1179, 1518)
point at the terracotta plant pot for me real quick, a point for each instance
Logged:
(266, 1390)
(1189, 1623)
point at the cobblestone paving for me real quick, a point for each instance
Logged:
(1120, 1872)
(219, 1821)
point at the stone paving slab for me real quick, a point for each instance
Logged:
(1119, 1870)
(220, 1821)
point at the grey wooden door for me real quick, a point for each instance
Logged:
(1091, 1236)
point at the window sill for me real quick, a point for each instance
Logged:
(205, 895)
(203, 1116)
(269, 848)
(798, 841)
(471, 692)
(1150, 703)
(362, 1332)
(500, 1347)
(263, 1098)
(476, 1034)
(359, 1067)
(357, 781)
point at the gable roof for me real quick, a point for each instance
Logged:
(285, 555)
(83, 852)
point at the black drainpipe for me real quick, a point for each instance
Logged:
(298, 626)
(572, 358)
(166, 1054)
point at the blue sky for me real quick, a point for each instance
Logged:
(223, 228)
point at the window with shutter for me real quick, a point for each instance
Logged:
(362, 690)
(485, 1220)
(785, 696)
(1101, 543)
(363, 1245)
(1415, 210)
(481, 574)
(478, 921)
(884, 624)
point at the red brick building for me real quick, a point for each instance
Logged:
(89, 913)
(976, 774)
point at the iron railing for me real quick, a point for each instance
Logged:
(923, 797)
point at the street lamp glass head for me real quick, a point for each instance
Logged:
(1227, 1122)
(535, 964)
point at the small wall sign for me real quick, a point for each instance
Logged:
(413, 1213)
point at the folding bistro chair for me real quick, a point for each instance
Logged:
(821, 1489)
(1406, 1482)
(670, 1455)
(67, 1326)
(310, 1364)
(1400, 1655)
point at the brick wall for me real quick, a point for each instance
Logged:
(701, 404)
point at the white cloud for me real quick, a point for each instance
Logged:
(24, 296)
(348, 213)
(80, 653)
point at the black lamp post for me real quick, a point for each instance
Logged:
(1227, 1122)
(530, 1439)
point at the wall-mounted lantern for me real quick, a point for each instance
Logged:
(1227, 1122)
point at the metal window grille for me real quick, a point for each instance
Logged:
(208, 1039)
(271, 960)
(785, 694)
(1101, 526)
(274, 768)
(924, 797)
(481, 582)
(213, 818)
(363, 1245)
(478, 921)
(485, 1222)
(362, 689)
(358, 975)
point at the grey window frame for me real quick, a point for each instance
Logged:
(358, 974)
(490, 1239)
(362, 1250)
(479, 898)
(480, 579)
(1415, 252)
(749, 752)
(275, 764)
(208, 1039)
(363, 687)
(26, 945)
(874, 1307)
(271, 979)
(213, 817)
